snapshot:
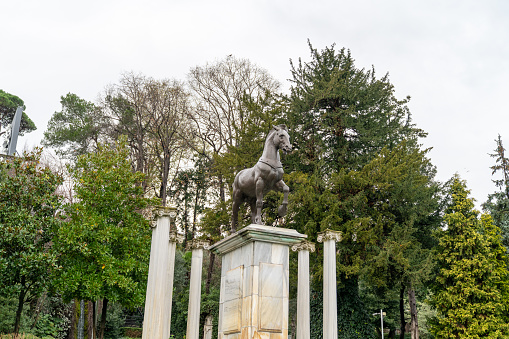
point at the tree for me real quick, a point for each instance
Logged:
(471, 288)
(104, 247)
(8, 106)
(341, 116)
(357, 167)
(153, 115)
(219, 118)
(77, 129)
(497, 204)
(28, 207)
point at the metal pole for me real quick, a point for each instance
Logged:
(382, 322)
(13, 140)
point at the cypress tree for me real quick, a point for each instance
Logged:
(471, 288)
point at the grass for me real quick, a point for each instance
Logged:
(19, 336)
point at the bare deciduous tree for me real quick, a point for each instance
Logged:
(219, 90)
(153, 114)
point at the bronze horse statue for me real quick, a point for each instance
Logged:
(251, 184)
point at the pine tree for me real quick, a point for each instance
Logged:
(471, 288)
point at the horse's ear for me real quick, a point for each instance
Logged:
(280, 127)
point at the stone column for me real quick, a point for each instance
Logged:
(193, 311)
(303, 318)
(330, 310)
(253, 301)
(207, 327)
(157, 319)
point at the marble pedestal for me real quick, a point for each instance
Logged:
(254, 282)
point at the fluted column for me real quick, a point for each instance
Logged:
(157, 319)
(330, 312)
(303, 317)
(193, 312)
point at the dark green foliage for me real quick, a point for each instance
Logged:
(471, 291)
(354, 319)
(28, 205)
(114, 322)
(180, 294)
(76, 129)
(8, 105)
(105, 244)
(8, 307)
(357, 168)
(341, 116)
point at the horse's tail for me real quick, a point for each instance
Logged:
(235, 203)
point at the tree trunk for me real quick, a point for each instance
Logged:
(37, 308)
(195, 212)
(186, 225)
(74, 320)
(81, 321)
(21, 301)
(402, 312)
(222, 194)
(103, 319)
(414, 325)
(94, 320)
(212, 257)
(91, 320)
(164, 181)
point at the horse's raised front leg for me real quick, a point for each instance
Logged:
(281, 186)
(260, 184)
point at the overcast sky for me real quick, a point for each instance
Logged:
(451, 57)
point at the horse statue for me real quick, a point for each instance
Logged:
(251, 184)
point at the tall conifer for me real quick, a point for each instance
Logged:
(471, 289)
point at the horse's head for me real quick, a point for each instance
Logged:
(281, 138)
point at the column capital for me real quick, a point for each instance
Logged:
(304, 246)
(163, 211)
(197, 243)
(329, 235)
(175, 237)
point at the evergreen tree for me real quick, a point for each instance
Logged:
(8, 106)
(105, 246)
(28, 207)
(471, 291)
(75, 130)
(497, 204)
(357, 168)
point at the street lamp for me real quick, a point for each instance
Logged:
(382, 314)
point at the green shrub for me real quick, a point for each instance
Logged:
(115, 319)
(132, 332)
(46, 326)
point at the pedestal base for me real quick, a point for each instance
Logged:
(254, 282)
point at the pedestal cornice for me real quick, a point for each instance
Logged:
(255, 232)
